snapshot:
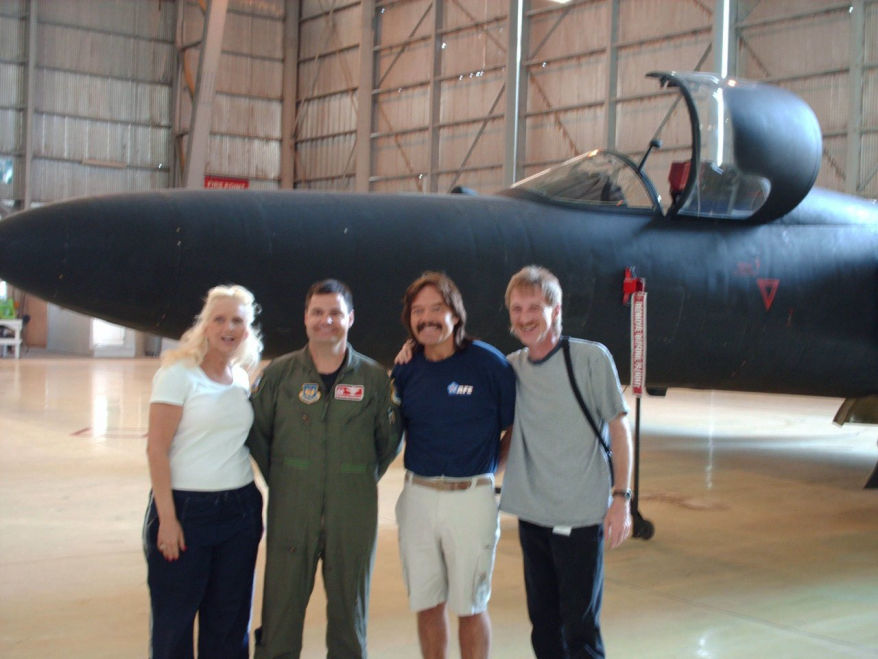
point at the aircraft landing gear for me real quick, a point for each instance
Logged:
(872, 483)
(643, 528)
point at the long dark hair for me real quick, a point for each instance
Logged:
(450, 295)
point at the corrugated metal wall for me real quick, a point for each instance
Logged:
(246, 114)
(102, 96)
(434, 85)
(439, 116)
(826, 53)
(328, 74)
(101, 107)
(13, 49)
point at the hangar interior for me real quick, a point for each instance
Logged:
(101, 96)
(765, 544)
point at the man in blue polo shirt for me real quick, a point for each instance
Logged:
(458, 398)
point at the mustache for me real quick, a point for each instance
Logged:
(421, 326)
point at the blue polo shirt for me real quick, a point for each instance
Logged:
(454, 410)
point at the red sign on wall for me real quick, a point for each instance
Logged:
(225, 183)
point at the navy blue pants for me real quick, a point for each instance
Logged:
(213, 578)
(564, 579)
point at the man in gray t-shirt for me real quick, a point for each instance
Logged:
(557, 478)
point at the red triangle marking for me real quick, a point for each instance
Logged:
(768, 288)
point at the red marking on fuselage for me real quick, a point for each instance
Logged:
(768, 289)
(747, 268)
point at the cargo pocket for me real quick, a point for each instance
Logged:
(482, 578)
(485, 564)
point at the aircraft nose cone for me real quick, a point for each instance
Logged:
(105, 256)
(143, 260)
(32, 251)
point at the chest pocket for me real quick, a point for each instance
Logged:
(353, 445)
(345, 407)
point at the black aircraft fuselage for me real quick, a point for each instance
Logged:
(755, 281)
(788, 306)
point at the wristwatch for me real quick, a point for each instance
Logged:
(625, 494)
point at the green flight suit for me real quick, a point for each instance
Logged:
(321, 453)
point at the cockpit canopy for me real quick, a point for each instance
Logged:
(599, 177)
(755, 153)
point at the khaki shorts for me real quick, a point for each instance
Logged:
(447, 540)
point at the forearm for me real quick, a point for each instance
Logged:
(387, 444)
(384, 463)
(163, 422)
(621, 445)
(259, 451)
(503, 452)
(160, 478)
(264, 402)
(617, 523)
(388, 433)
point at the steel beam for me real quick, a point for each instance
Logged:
(721, 37)
(613, 74)
(27, 141)
(364, 97)
(513, 92)
(288, 95)
(205, 90)
(855, 100)
(435, 97)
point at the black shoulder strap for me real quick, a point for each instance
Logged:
(565, 347)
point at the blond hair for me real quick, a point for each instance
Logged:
(193, 343)
(533, 277)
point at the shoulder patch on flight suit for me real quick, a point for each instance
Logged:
(309, 393)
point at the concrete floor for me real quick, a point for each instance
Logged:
(766, 545)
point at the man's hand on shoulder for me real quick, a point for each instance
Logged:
(405, 354)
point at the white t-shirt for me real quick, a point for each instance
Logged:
(208, 451)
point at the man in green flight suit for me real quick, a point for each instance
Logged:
(324, 431)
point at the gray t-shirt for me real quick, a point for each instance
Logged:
(557, 473)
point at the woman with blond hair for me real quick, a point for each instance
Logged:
(204, 519)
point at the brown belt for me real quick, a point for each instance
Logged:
(446, 485)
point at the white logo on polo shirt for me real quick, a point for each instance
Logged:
(455, 389)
